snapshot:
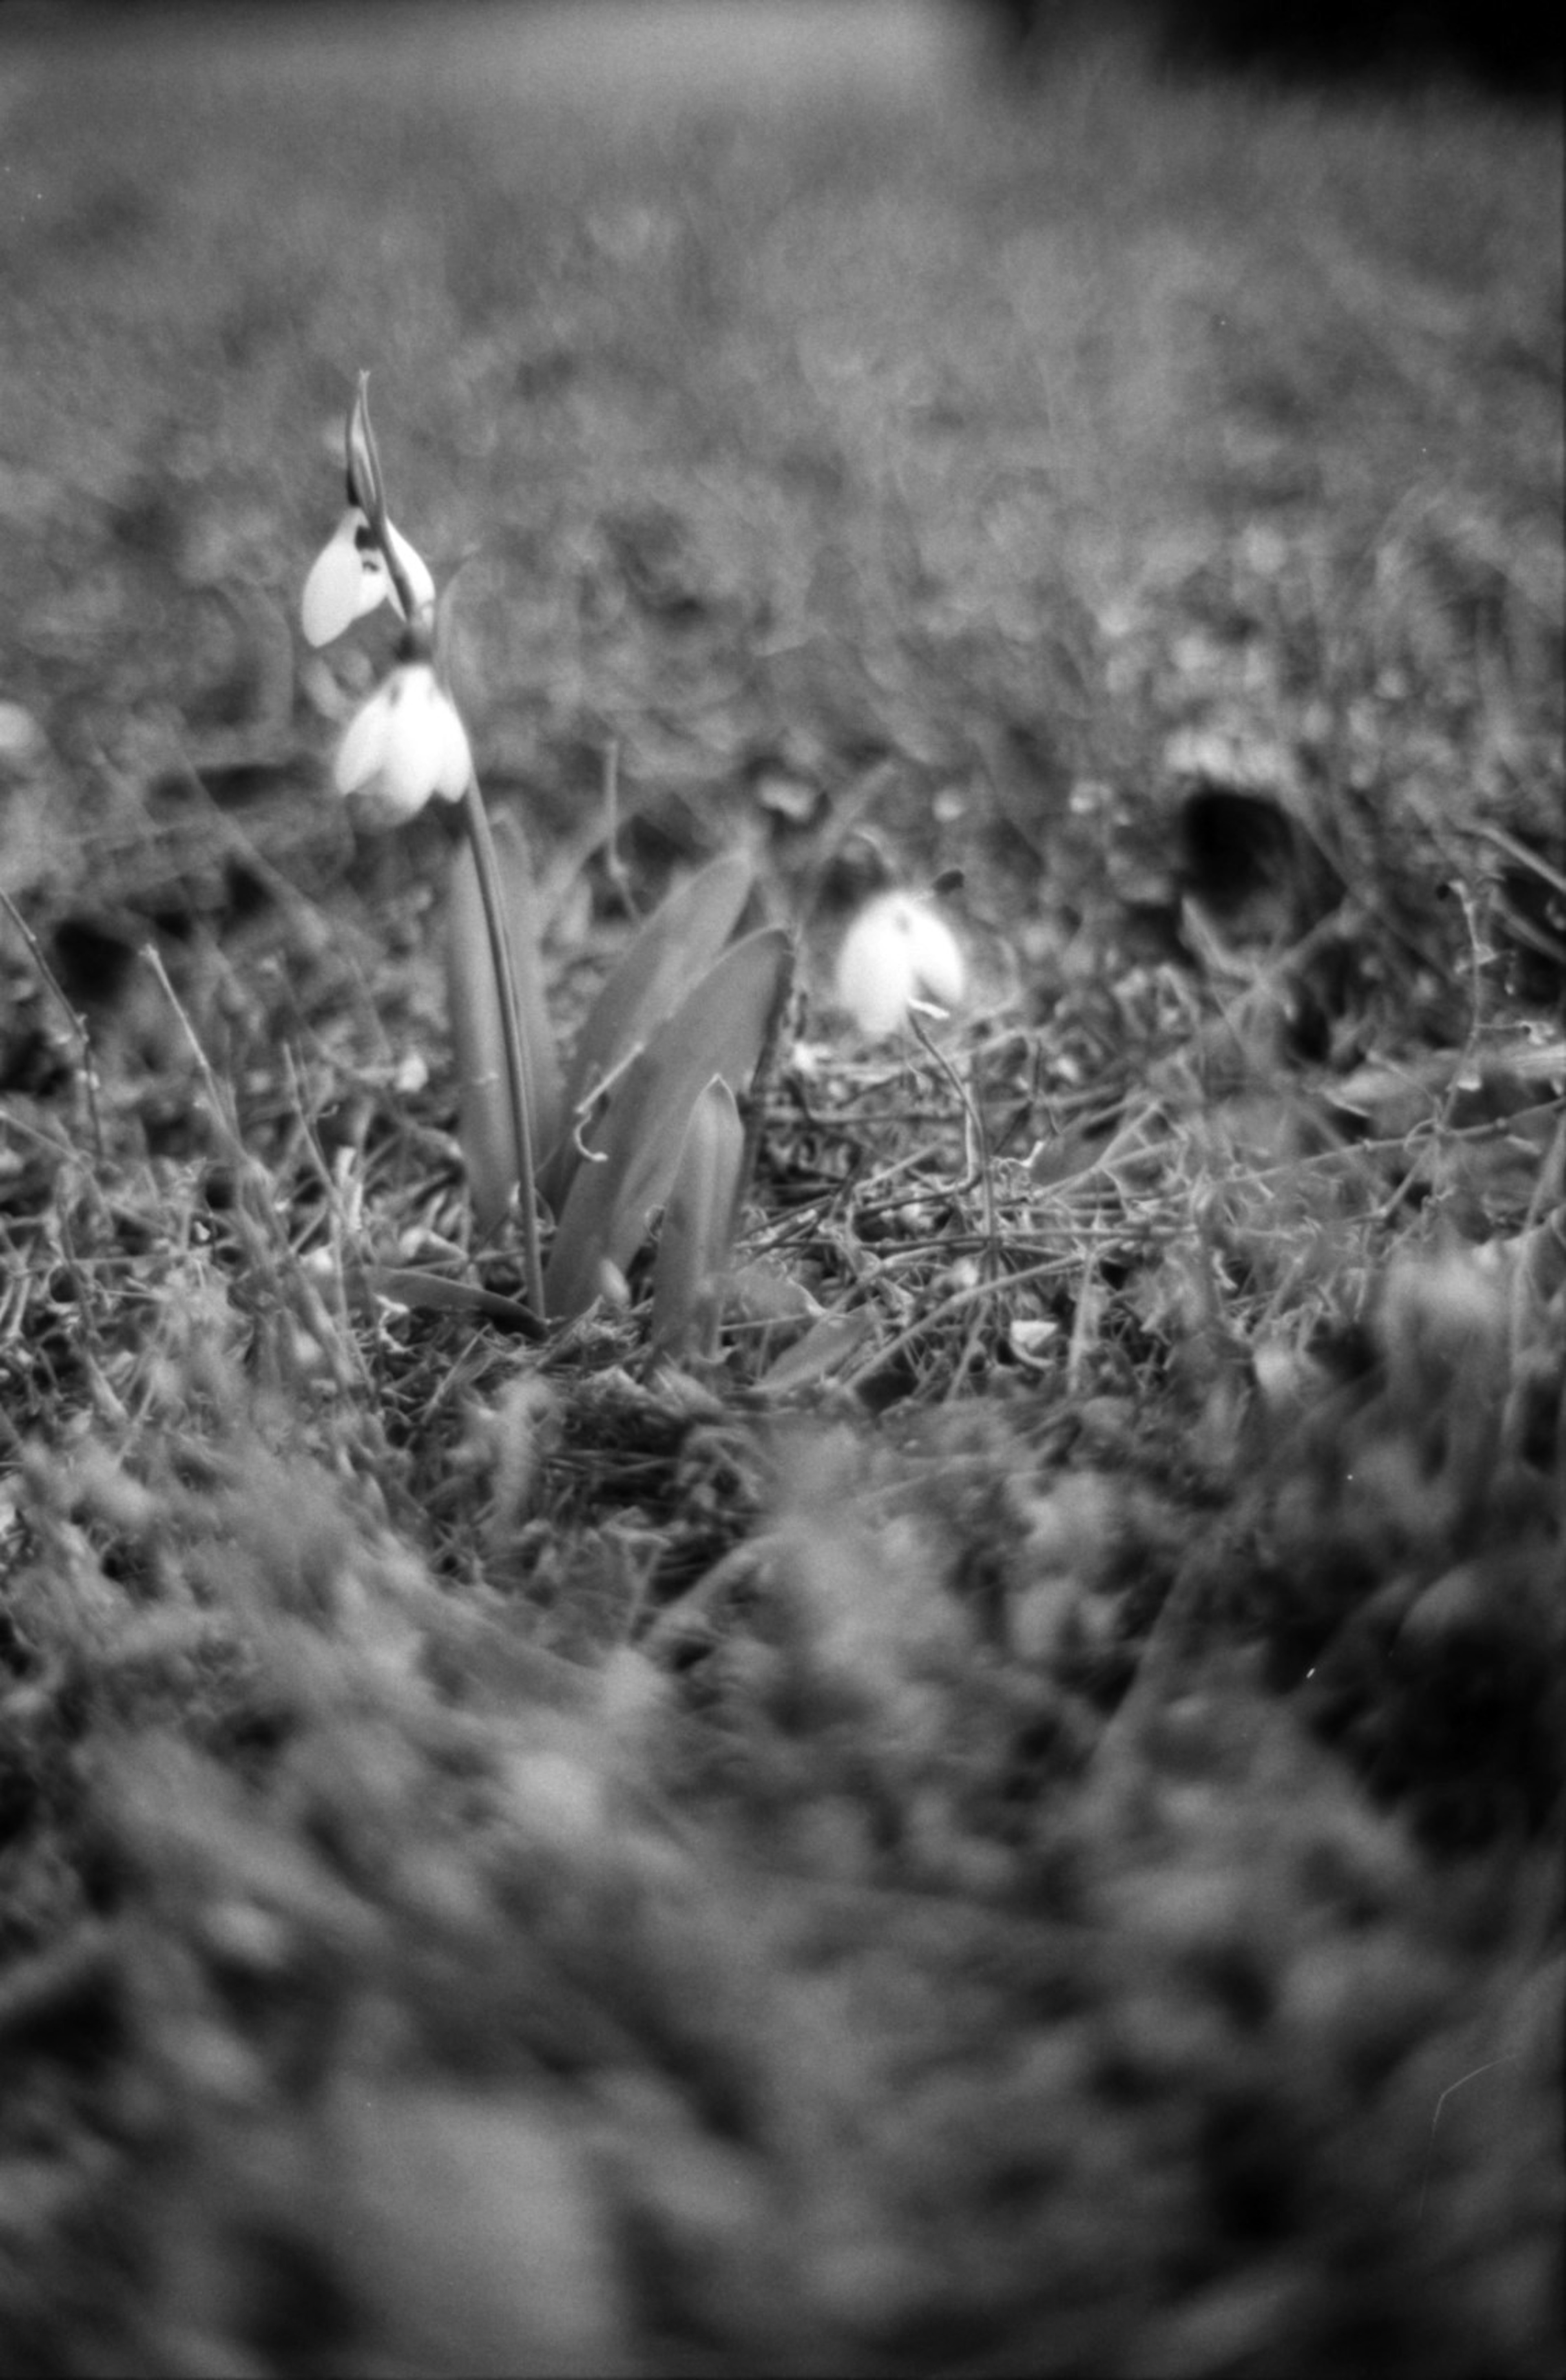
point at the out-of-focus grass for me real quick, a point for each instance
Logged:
(845, 419)
(511, 1862)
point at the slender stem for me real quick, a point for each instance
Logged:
(366, 488)
(753, 1105)
(516, 1055)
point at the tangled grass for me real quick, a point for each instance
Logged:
(1012, 1819)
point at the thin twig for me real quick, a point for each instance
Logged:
(1509, 2057)
(218, 1099)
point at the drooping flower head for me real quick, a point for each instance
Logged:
(349, 579)
(897, 953)
(407, 743)
(367, 561)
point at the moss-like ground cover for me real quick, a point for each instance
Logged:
(1029, 1841)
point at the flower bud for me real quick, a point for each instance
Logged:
(366, 487)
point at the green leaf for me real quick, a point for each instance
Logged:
(721, 1027)
(825, 1347)
(671, 952)
(485, 1127)
(698, 1222)
(434, 1293)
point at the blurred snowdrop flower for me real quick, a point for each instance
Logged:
(350, 578)
(406, 743)
(896, 954)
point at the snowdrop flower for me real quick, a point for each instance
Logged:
(367, 560)
(350, 578)
(406, 743)
(896, 952)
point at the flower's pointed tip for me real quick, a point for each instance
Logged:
(365, 486)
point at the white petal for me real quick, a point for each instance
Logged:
(411, 753)
(875, 972)
(406, 743)
(362, 751)
(415, 568)
(454, 766)
(345, 581)
(894, 952)
(939, 969)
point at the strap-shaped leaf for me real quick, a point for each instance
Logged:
(434, 1293)
(485, 1126)
(721, 1029)
(670, 953)
(829, 1343)
(698, 1222)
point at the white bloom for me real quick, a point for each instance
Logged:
(897, 951)
(350, 578)
(406, 743)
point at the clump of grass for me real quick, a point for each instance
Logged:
(1410, 1530)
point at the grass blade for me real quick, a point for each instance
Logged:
(830, 1342)
(698, 1222)
(486, 1128)
(524, 917)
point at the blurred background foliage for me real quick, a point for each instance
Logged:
(1514, 45)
